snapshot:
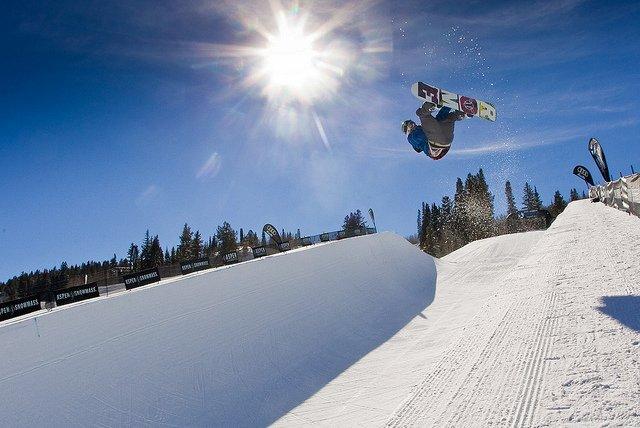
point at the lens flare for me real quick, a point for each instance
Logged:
(295, 67)
(301, 60)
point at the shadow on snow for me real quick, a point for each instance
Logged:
(624, 309)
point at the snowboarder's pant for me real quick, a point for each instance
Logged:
(441, 132)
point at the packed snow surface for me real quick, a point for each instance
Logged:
(240, 345)
(531, 329)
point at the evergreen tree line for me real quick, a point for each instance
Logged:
(445, 227)
(149, 253)
(354, 220)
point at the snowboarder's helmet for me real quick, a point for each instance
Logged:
(407, 125)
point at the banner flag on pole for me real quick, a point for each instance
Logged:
(583, 173)
(598, 155)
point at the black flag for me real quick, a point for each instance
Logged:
(272, 232)
(598, 155)
(583, 173)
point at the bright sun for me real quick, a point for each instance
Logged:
(299, 63)
(289, 59)
(294, 65)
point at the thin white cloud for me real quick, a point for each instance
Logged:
(527, 141)
(538, 13)
(147, 195)
(211, 167)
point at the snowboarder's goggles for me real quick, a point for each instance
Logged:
(407, 125)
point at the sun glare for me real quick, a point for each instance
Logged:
(300, 57)
(294, 66)
(289, 60)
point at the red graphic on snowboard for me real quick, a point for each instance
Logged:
(468, 105)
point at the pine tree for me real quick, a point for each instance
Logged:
(353, 221)
(242, 235)
(479, 207)
(157, 255)
(558, 205)
(511, 201)
(424, 234)
(459, 217)
(145, 253)
(251, 239)
(196, 245)
(448, 239)
(167, 256)
(185, 246)
(436, 231)
(528, 198)
(574, 195)
(227, 238)
(537, 201)
(134, 257)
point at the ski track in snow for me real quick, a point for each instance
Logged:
(530, 345)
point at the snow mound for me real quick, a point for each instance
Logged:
(498, 248)
(240, 345)
(532, 329)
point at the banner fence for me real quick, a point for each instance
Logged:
(122, 278)
(622, 194)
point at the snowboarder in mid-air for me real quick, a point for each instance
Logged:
(434, 135)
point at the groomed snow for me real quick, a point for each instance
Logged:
(533, 329)
(235, 346)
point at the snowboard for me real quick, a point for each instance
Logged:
(442, 98)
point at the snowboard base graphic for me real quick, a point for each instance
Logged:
(443, 98)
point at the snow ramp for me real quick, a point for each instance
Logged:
(240, 345)
(528, 329)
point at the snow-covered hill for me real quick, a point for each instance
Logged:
(234, 346)
(540, 328)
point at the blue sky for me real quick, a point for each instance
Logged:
(116, 117)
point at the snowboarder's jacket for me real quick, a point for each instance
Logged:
(420, 143)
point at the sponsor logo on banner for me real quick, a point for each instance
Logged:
(284, 246)
(15, 308)
(583, 173)
(144, 277)
(76, 294)
(272, 232)
(196, 265)
(306, 241)
(259, 251)
(230, 258)
(325, 237)
(598, 156)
